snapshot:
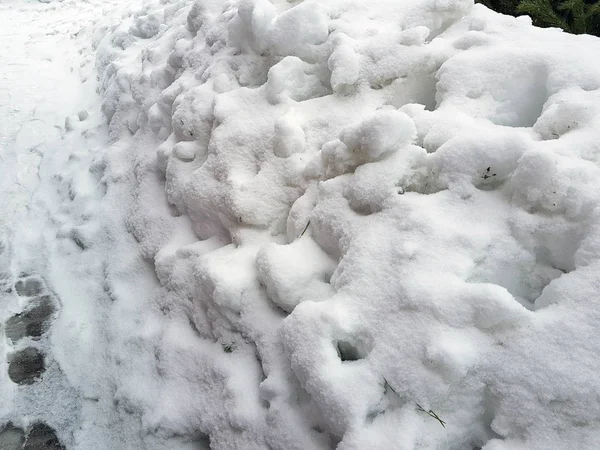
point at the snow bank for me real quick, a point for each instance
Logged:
(358, 212)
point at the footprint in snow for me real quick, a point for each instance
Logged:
(40, 437)
(33, 322)
(29, 287)
(12, 438)
(26, 366)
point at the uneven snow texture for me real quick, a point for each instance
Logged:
(357, 210)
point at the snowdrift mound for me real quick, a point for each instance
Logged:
(374, 224)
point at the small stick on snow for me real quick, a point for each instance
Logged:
(432, 414)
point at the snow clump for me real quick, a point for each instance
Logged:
(357, 212)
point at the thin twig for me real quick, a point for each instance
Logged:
(429, 413)
(432, 414)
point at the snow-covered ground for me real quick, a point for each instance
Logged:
(298, 225)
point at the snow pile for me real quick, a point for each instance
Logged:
(357, 212)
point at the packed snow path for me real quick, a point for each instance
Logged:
(39, 86)
(53, 377)
(298, 226)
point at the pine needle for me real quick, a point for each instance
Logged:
(305, 228)
(390, 386)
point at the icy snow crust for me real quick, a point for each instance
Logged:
(356, 210)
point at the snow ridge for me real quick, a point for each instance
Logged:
(358, 212)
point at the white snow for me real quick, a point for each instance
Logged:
(303, 225)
